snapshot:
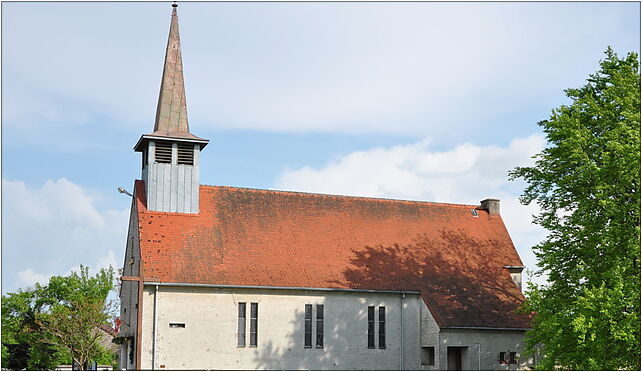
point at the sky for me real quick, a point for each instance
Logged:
(420, 101)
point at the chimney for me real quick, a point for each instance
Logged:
(491, 205)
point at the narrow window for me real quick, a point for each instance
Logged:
(308, 326)
(145, 158)
(241, 326)
(185, 154)
(163, 152)
(254, 320)
(319, 326)
(512, 357)
(176, 325)
(502, 357)
(371, 326)
(382, 327)
(428, 356)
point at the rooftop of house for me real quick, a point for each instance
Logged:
(454, 257)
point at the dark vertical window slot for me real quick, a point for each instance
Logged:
(241, 324)
(382, 327)
(254, 322)
(145, 157)
(308, 326)
(132, 348)
(319, 326)
(371, 327)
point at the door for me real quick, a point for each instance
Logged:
(455, 357)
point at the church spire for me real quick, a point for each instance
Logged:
(171, 154)
(171, 112)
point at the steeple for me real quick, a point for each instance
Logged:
(171, 112)
(171, 154)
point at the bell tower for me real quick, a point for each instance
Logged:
(171, 154)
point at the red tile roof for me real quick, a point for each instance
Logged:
(289, 239)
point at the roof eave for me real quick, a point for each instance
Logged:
(147, 137)
(205, 285)
(488, 328)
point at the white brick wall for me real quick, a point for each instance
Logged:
(209, 339)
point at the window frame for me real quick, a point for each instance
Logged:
(241, 325)
(307, 327)
(371, 327)
(319, 325)
(382, 327)
(254, 324)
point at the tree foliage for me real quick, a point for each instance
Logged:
(587, 184)
(54, 324)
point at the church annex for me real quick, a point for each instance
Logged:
(219, 277)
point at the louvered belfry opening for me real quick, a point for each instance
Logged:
(186, 154)
(163, 152)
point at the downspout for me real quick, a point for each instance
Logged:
(154, 329)
(139, 325)
(403, 295)
(478, 356)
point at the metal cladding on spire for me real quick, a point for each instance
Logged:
(171, 113)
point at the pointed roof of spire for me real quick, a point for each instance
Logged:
(171, 112)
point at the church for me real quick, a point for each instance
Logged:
(219, 277)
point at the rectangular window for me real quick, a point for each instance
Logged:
(382, 327)
(319, 326)
(185, 154)
(502, 357)
(371, 326)
(145, 158)
(241, 324)
(254, 322)
(512, 357)
(163, 152)
(428, 356)
(308, 326)
(176, 325)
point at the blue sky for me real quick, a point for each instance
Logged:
(425, 101)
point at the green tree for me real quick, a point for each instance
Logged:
(587, 184)
(23, 346)
(49, 325)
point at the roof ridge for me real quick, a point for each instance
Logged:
(343, 196)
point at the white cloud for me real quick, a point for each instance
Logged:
(465, 174)
(53, 229)
(425, 67)
(28, 278)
